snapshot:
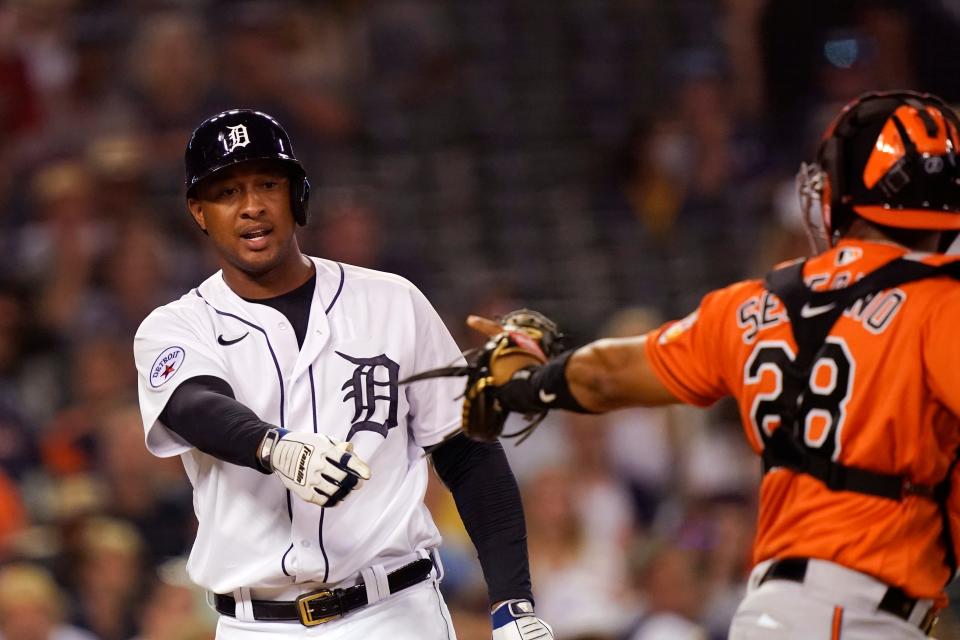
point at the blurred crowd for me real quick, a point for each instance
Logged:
(604, 161)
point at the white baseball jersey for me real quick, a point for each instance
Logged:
(367, 331)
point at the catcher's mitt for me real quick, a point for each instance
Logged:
(526, 338)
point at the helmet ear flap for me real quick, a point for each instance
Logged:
(300, 199)
(835, 213)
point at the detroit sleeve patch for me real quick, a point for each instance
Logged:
(166, 366)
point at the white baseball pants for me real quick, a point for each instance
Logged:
(416, 613)
(832, 603)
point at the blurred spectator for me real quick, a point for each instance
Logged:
(101, 376)
(787, 238)
(470, 623)
(172, 71)
(175, 609)
(410, 51)
(667, 577)
(644, 445)
(19, 103)
(32, 606)
(151, 493)
(680, 207)
(257, 42)
(565, 563)
(13, 516)
(547, 447)
(75, 63)
(26, 381)
(41, 30)
(59, 247)
(726, 560)
(719, 437)
(119, 164)
(602, 498)
(349, 230)
(120, 302)
(108, 579)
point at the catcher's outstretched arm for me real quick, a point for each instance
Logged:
(607, 374)
(614, 373)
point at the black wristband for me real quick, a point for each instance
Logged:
(534, 389)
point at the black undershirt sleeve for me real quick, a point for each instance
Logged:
(203, 411)
(488, 499)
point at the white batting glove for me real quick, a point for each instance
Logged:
(316, 468)
(515, 620)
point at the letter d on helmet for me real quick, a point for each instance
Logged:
(242, 135)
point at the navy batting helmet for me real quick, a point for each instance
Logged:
(241, 135)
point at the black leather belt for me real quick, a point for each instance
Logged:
(894, 601)
(324, 605)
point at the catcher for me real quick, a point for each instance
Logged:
(844, 367)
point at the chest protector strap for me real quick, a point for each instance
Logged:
(812, 315)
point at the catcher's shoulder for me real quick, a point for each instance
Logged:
(734, 293)
(744, 287)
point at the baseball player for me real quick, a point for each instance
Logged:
(276, 382)
(844, 367)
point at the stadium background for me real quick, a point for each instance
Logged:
(604, 161)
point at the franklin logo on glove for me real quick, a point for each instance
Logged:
(313, 466)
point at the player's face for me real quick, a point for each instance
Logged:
(245, 210)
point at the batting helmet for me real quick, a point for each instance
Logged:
(241, 135)
(890, 158)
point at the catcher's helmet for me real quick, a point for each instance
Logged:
(891, 158)
(240, 135)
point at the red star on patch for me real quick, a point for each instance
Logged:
(167, 370)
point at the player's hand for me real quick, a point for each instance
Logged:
(316, 468)
(486, 326)
(512, 347)
(515, 620)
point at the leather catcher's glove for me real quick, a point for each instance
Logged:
(515, 620)
(526, 339)
(314, 467)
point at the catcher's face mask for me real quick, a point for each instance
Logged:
(814, 207)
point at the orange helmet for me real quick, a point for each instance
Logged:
(891, 158)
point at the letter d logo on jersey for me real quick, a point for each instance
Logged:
(373, 389)
(166, 366)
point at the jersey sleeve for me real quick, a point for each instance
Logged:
(434, 403)
(168, 350)
(687, 355)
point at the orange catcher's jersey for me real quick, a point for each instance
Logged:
(884, 395)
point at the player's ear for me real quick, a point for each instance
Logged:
(196, 210)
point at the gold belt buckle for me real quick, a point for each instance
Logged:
(306, 615)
